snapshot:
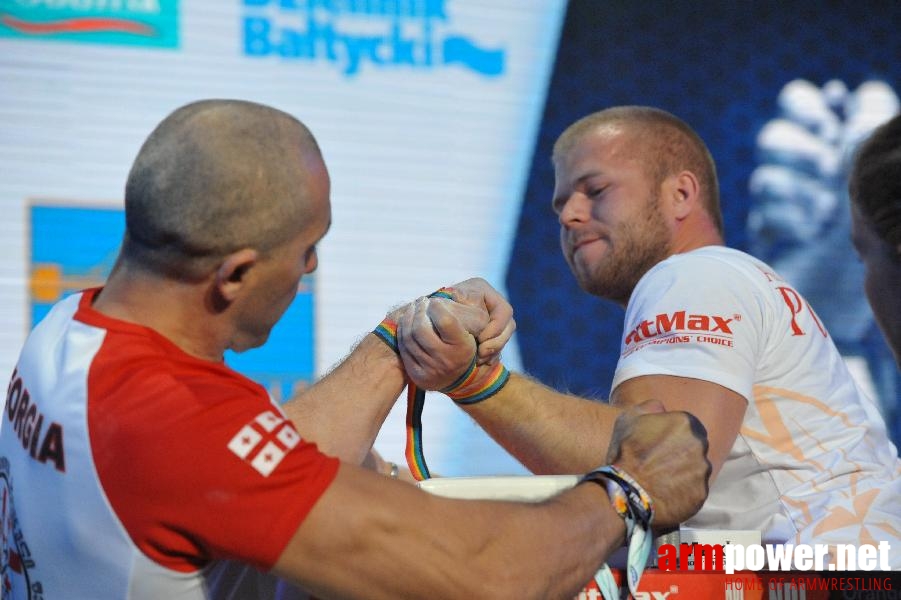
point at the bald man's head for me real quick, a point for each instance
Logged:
(216, 176)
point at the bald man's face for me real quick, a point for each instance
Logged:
(274, 280)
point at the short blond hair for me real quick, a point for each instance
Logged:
(668, 142)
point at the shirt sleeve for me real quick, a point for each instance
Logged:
(203, 472)
(255, 484)
(697, 317)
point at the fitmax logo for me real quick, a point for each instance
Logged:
(352, 33)
(680, 321)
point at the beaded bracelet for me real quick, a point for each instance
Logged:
(634, 505)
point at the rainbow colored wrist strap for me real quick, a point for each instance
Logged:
(476, 385)
(463, 392)
(471, 387)
(387, 332)
(634, 505)
(444, 292)
(413, 452)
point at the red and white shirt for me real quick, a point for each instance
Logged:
(812, 462)
(127, 466)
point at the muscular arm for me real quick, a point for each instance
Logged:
(410, 544)
(547, 431)
(344, 410)
(550, 432)
(719, 409)
(371, 537)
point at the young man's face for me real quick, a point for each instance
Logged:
(611, 226)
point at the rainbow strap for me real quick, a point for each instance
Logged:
(476, 384)
(387, 332)
(413, 452)
(444, 292)
(469, 393)
(634, 505)
(471, 387)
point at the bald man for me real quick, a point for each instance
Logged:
(133, 459)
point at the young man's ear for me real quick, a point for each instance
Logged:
(684, 193)
(232, 273)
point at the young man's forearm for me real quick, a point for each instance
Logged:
(547, 431)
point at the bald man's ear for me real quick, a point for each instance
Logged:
(231, 276)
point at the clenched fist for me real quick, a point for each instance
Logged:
(666, 452)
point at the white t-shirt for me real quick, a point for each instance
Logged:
(812, 462)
